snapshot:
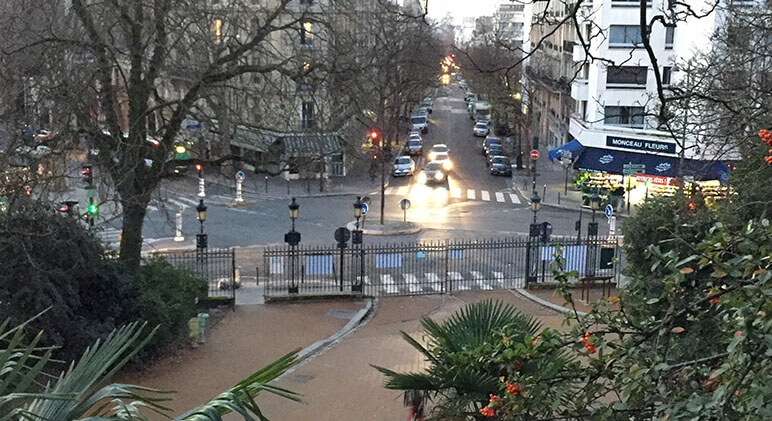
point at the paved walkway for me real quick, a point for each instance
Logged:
(340, 384)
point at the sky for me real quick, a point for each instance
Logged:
(461, 8)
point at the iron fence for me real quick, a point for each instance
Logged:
(216, 266)
(434, 267)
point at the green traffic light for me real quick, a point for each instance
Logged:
(93, 209)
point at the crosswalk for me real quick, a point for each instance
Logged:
(458, 193)
(433, 283)
(177, 203)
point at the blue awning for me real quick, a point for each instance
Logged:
(613, 161)
(573, 146)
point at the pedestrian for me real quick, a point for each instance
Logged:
(414, 399)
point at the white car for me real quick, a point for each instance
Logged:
(432, 173)
(444, 159)
(419, 123)
(481, 129)
(403, 166)
(438, 148)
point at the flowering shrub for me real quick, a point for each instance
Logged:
(766, 136)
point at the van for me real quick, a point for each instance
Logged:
(419, 123)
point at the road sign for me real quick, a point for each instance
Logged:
(240, 175)
(609, 211)
(404, 204)
(420, 255)
(534, 154)
(342, 235)
(364, 209)
(633, 169)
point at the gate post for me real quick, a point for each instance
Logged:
(233, 279)
(448, 288)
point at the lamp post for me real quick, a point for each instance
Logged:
(535, 205)
(592, 235)
(201, 239)
(356, 241)
(292, 238)
(531, 262)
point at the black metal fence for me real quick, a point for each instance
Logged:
(217, 266)
(433, 267)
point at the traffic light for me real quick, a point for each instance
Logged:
(93, 211)
(68, 207)
(200, 169)
(87, 175)
(375, 138)
(374, 152)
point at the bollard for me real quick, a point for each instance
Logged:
(266, 184)
(193, 332)
(239, 194)
(202, 327)
(544, 193)
(201, 191)
(237, 277)
(558, 198)
(288, 186)
(178, 228)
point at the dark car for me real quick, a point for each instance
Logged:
(414, 147)
(493, 150)
(500, 165)
(489, 141)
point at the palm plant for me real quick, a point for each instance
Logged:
(29, 392)
(463, 366)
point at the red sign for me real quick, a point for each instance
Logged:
(655, 179)
(534, 154)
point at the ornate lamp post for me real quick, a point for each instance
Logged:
(201, 238)
(592, 235)
(356, 241)
(535, 205)
(292, 238)
(531, 261)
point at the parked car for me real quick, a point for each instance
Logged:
(414, 146)
(493, 150)
(481, 129)
(489, 141)
(432, 173)
(419, 123)
(438, 148)
(403, 166)
(427, 104)
(500, 165)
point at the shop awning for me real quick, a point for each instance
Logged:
(312, 145)
(573, 146)
(613, 161)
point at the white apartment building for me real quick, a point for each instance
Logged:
(509, 23)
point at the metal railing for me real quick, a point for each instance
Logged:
(433, 267)
(216, 266)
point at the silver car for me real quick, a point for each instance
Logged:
(403, 166)
(432, 173)
(481, 129)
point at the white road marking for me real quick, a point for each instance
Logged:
(434, 281)
(456, 193)
(412, 282)
(388, 284)
(515, 199)
(457, 280)
(389, 190)
(470, 194)
(402, 190)
(499, 196)
(179, 204)
(186, 200)
(478, 277)
(485, 195)
(152, 208)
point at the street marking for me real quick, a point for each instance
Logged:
(412, 282)
(485, 195)
(499, 196)
(456, 193)
(388, 283)
(179, 204)
(457, 278)
(470, 194)
(186, 200)
(389, 190)
(515, 199)
(478, 277)
(402, 190)
(152, 208)
(434, 281)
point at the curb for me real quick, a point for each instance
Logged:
(379, 233)
(317, 346)
(544, 303)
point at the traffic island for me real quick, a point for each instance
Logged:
(389, 228)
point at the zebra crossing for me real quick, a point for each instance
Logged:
(177, 203)
(433, 283)
(458, 193)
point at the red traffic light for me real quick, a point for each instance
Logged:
(373, 134)
(64, 208)
(86, 171)
(198, 167)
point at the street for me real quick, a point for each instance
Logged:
(472, 204)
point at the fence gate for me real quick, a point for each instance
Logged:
(216, 266)
(433, 267)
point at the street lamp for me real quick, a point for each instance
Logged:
(358, 210)
(201, 238)
(535, 205)
(356, 239)
(594, 204)
(292, 238)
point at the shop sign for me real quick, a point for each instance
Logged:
(654, 179)
(641, 144)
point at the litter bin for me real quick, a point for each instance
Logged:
(193, 331)
(202, 327)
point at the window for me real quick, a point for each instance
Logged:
(624, 116)
(307, 115)
(624, 35)
(669, 36)
(217, 30)
(628, 3)
(306, 33)
(626, 76)
(667, 72)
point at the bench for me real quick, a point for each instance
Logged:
(604, 280)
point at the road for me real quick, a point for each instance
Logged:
(473, 204)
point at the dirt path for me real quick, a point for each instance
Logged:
(243, 342)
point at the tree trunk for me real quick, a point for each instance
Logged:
(131, 237)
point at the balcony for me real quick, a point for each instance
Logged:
(579, 90)
(579, 53)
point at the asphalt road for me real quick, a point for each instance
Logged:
(472, 204)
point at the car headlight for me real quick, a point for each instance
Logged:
(438, 176)
(447, 165)
(431, 156)
(422, 178)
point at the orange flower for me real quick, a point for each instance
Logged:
(505, 340)
(590, 348)
(513, 389)
(713, 300)
(487, 412)
(535, 340)
(494, 398)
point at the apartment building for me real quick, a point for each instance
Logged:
(509, 23)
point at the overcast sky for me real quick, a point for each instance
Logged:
(461, 8)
